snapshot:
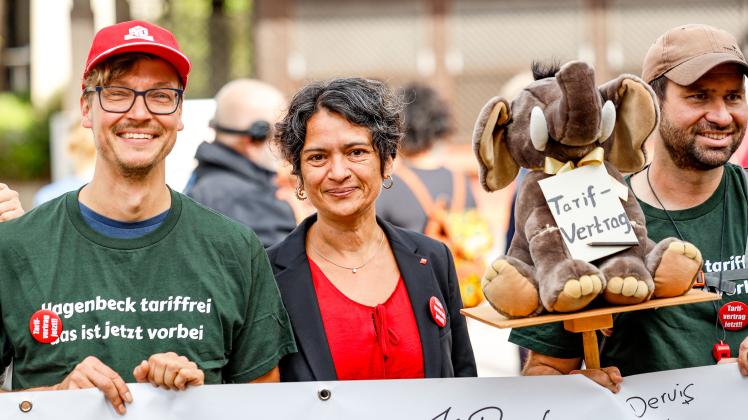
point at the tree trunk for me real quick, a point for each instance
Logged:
(220, 46)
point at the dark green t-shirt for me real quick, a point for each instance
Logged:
(200, 285)
(672, 337)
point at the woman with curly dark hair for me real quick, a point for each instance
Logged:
(366, 300)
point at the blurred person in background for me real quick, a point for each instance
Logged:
(367, 300)
(80, 149)
(237, 173)
(428, 125)
(430, 198)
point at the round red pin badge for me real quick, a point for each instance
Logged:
(734, 316)
(437, 311)
(45, 326)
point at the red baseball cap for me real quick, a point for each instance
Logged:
(137, 36)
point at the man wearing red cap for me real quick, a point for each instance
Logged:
(689, 191)
(126, 280)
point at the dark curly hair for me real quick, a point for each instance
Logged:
(427, 118)
(362, 102)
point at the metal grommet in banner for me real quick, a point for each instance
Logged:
(25, 406)
(324, 394)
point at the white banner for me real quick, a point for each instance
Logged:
(697, 393)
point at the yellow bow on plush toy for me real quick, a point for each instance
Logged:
(594, 157)
(553, 166)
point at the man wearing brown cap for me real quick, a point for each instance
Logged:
(127, 280)
(689, 191)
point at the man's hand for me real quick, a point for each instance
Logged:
(540, 364)
(169, 370)
(93, 373)
(743, 357)
(608, 377)
(10, 205)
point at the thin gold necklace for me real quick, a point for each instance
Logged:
(355, 268)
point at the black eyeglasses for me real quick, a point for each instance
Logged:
(119, 99)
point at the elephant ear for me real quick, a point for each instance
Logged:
(497, 166)
(637, 115)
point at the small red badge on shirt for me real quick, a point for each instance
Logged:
(437, 311)
(45, 326)
(734, 316)
(423, 261)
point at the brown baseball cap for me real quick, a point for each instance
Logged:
(685, 53)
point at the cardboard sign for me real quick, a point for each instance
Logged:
(587, 210)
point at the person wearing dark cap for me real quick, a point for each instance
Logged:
(125, 279)
(237, 173)
(689, 191)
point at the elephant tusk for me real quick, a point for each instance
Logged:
(538, 129)
(609, 121)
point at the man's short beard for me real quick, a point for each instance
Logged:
(140, 170)
(135, 173)
(681, 146)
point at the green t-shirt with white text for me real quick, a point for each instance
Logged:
(200, 285)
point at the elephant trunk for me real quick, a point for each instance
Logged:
(574, 119)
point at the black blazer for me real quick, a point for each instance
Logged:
(446, 351)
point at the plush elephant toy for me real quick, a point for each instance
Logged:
(562, 118)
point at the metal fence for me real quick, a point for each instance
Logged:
(487, 42)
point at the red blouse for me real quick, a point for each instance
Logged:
(380, 342)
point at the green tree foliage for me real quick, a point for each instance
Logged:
(190, 21)
(24, 139)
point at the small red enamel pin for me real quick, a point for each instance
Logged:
(437, 311)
